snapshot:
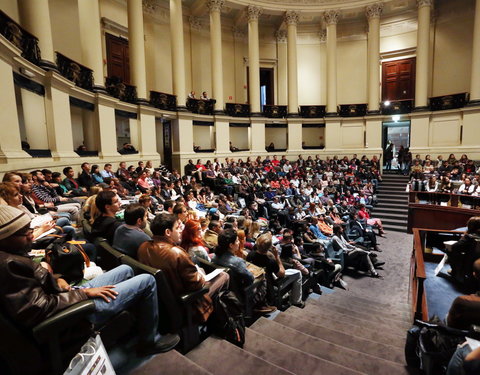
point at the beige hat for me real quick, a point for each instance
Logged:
(11, 221)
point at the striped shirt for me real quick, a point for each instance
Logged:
(45, 194)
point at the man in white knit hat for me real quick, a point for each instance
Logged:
(29, 294)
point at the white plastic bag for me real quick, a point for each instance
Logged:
(91, 360)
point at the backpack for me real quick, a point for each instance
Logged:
(68, 259)
(227, 320)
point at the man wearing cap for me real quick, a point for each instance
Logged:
(29, 293)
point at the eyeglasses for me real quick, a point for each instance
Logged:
(25, 233)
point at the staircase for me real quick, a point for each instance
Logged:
(336, 334)
(392, 207)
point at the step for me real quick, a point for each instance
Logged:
(170, 363)
(399, 188)
(395, 228)
(348, 327)
(379, 295)
(353, 359)
(395, 221)
(346, 340)
(346, 302)
(342, 295)
(289, 358)
(221, 357)
(354, 319)
(384, 216)
(381, 316)
(386, 204)
(385, 210)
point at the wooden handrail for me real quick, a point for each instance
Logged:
(417, 243)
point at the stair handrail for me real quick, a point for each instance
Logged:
(417, 279)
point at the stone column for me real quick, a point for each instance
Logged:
(253, 13)
(90, 40)
(423, 41)
(178, 53)
(291, 19)
(35, 17)
(136, 48)
(475, 77)
(215, 7)
(282, 68)
(373, 13)
(331, 19)
(10, 141)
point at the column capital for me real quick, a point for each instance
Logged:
(291, 17)
(150, 6)
(195, 23)
(238, 34)
(374, 10)
(424, 3)
(322, 35)
(281, 36)
(253, 12)
(331, 16)
(215, 5)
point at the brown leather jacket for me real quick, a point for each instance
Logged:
(29, 293)
(179, 269)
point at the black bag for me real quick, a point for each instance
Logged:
(67, 259)
(227, 320)
(431, 346)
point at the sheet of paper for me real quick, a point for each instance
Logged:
(474, 344)
(46, 233)
(39, 220)
(441, 264)
(213, 274)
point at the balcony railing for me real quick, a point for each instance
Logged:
(439, 103)
(237, 109)
(75, 72)
(202, 107)
(164, 101)
(20, 38)
(397, 107)
(275, 111)
(312, 111)
(352, 110)
(116, 88)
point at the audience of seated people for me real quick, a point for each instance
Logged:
(282, 215)
(449, 176)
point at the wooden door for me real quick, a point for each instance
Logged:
(118, 64)
(398, 79)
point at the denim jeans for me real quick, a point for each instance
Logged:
(455, 366)
(64, 223)
(140, 291)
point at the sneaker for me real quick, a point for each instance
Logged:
(300, 305)
(164, 344)
(343, 284)
(317, 289)
(266, 309)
